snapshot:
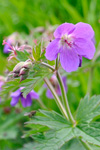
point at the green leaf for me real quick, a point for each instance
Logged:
(37, 51)
(22, 55)
(9, 86)
(50, 119)
(89, 133)
(61, 131)
(28, 146)
(88, 109)
(55, 138)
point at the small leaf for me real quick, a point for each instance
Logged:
(37, 51)
(22, 55)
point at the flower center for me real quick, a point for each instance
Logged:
(67, 40)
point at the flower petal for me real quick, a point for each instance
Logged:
(83, 30)
(65, 28)
(16, 93)
(26, 102)
(84, 48)
(69, 60)
(14, 101)
(52, 50)
(34, 95)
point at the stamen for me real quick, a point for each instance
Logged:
(68, 43)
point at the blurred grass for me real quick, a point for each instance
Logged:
(25, 14)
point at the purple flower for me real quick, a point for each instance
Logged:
(56, 86)
(26, 102)
(72, 42)
(7, 47)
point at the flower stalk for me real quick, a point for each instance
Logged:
(65, 101)
(48, 66)
(62, 109)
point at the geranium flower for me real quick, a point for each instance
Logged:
(71, 42)
(26, 102)
(56, 86)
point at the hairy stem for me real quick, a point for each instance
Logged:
(86, 145)
(48, 66)
(62, 109)
(65, 101)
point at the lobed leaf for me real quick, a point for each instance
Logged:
(88, 109)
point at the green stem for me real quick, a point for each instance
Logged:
(86, 145)
(56, 65)
(48, 66)
(65, 101)
(62, 109)
(41, 104)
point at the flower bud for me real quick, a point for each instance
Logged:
(23, 77)
(27, 64)
(18, 67)
(15, 75)
(23, 71)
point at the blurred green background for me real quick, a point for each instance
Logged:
(22, 16)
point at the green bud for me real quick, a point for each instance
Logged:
(23, 71)
(18, 67)
(27, 64)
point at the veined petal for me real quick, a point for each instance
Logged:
(26, 102)
(52, 50)
(83, 30)
(34, 95)
(84, 48)
(14, 101)
(69, 60)
(65, 28)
